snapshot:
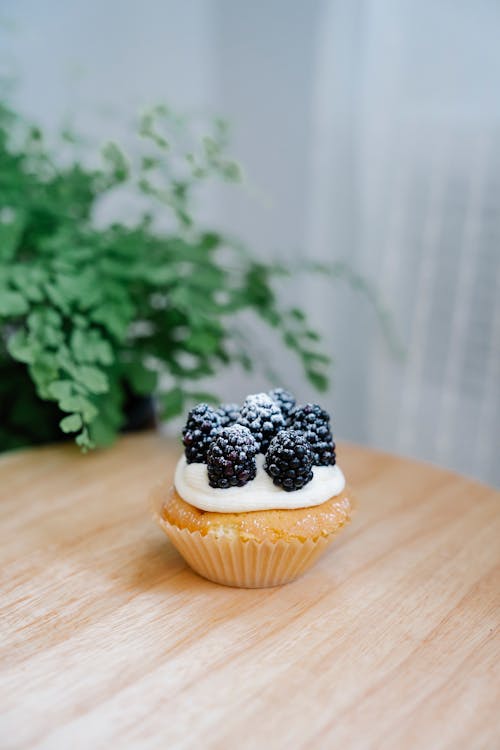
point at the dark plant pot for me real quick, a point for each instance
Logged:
(140, 412)
(27, 420)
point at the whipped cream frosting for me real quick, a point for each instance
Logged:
(191, 482)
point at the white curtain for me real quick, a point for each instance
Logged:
(408, 130)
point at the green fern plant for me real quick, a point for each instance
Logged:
(91, 314)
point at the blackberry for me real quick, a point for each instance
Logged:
(284, 399)
(228, 414)
(201, 426)
(314, 423)
(289, 460)
(231, 457)
(263, 418)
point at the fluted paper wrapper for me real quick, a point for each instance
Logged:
(246, 564)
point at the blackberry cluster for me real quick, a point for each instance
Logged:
(285, 400)
(263, 417)
(201, 426)
(231, 458)
(228, 414)
(289, 460)
(313, 423)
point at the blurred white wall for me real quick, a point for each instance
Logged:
(370, 131)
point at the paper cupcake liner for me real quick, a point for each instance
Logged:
(245, 564)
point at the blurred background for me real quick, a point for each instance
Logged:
(369, 131)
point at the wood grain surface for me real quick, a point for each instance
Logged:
(108, 640)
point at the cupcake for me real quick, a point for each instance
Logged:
(257, 495)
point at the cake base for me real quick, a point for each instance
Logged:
(225, 556)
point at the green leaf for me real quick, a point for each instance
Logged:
(61, 389)
(102, 433)
(113, 319)
(42, 317)
(231, 171)
(318, 380)
(110, 406)
(21, 348)
(12, 303)
(172, 403)
(142, 379)
(117, 161)
(312, 335)
(64, 360)
(93, 379)
(77, 287)
(43, 371)
(105, 426)
(79, 404)
(210, 240)
(211, 147)
(85, 441)
(46, 327)
(309, 357)
(298, 314)
(245, 361)
(29, 281)
(71, 423)
(149, 162)
(291, 340)
(80, 321)
(88, 409)
(202, 342)
(89, 346)
(147, 129)
(12, 223)
(161, 276)
(56, 297)
(80, 346)
(71, 402)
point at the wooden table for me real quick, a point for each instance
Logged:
(109, 641)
